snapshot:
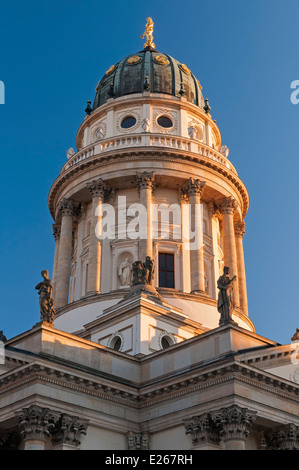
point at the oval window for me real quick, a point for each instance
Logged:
(164, 121)
(166, 342)
(128, 122)
(116, 343)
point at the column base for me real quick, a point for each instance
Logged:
(90, 293)
(199, 292)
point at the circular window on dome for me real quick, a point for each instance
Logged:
(164, 121)
(128, 122)
(116, 343)
(166, 341)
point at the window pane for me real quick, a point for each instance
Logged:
(170, 279)
(161, 260)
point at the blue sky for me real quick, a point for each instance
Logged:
(245, 54)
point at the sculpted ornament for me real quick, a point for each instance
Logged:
(45, 291)
(70, 153)
(225, 305)
(125, 272)
(143, 273)
(145, 124)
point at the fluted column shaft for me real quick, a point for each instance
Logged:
(97, 190)
(66, 209)
(146, 185)
(228, 207)
(194, 188)
(239, 235)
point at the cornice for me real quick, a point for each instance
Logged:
(148, 154)
(147, 395)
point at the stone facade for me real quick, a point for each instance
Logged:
(138, 365)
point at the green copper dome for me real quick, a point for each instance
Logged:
(148, 70)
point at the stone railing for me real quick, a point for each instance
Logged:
(148, 140)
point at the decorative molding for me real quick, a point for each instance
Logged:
(138, 440)
(146, 180)
(240, 230)
(69, 430)
(127, 156)
(285, 437)
(234, 422)
(193, 187)
(98, 188)
(228, 205)
(36, 422)
(203, 430)
(56, 231)
(66, 207)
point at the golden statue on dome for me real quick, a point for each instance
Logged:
(149, 28)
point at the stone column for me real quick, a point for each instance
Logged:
(35, 425)
(66, 209)
(68, 433)
(98, 190)
(228, 207)
(146, 185)
(193, 188)
(203, 431)
(239, 235)
(56, 234)
(234, 424)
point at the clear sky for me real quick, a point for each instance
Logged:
(245, 54)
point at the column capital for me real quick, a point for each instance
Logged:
(234, 422)
(56, 231)
(98, 188)
(193, 187)
(66, 207)
(146, 180)
(69, 430)
(285, 437)
(240, 229)
(203, 430)
(214, 210)
(36, 422)
(228, 205)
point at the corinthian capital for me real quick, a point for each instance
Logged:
(56, 231)
(66, 207)
(193, 187)
(146, 180)
(202, 429)
(234, 422)
(240, 229)
(69, 430)
(98, 188)
(228, 205)
(36, 422)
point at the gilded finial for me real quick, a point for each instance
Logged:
(148, 33)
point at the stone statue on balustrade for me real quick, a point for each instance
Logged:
(46, 303)
(225, 305)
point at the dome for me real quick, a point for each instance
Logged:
(148, 70)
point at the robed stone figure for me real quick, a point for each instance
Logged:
(46, 303)
(225, 304)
